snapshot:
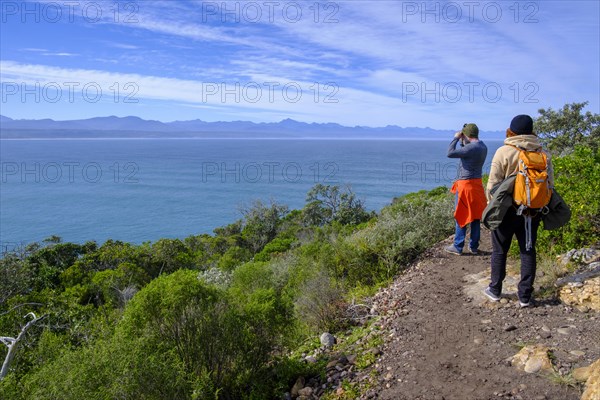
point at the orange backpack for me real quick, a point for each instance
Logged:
(532, 189)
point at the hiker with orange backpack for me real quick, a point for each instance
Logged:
(523, 171)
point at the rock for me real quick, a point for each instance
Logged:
(545, 335)
(510, 328)
(582, 256)
(577, 353)
(310, 359)
(585, 297)
(564, 331)
(533, 359)
(327, 340)
(376, 351)
(583, 309)
(306, 392)
(478, 341)
(331, 364)
(297, 386)
(533, 365)
(476, 283)
(592, 385)
(582, 374)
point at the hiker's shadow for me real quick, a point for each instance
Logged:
(512, 296)
(548, 302)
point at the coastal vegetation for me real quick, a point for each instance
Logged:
(227, 315)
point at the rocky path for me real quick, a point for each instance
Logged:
(444, 340)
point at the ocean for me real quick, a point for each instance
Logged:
(140, 190)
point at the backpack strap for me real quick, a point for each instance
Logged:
(527, 219)
(517, 147)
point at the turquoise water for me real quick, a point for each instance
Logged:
(146, 189)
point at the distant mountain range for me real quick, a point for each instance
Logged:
(135, 127)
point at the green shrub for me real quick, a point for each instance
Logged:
(109, 369)
(233, 257)
(320, 303)
(15, 278)
(261, 223)
(577, 179)
(403, 231)
(275, 246)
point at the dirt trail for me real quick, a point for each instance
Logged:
(443, 340)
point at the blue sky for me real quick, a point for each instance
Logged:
(374, 63)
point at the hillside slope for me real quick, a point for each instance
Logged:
(443, 340)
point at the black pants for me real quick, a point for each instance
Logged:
(514, 224)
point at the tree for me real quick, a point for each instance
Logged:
(12, 343)
(15, 277)
(261, 223)
(562, 130)
(169, 255)
(229, 230)
(326, 203)
(49, 262)
(573, 137)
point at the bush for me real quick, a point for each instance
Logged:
(403, 231)
(15, 278)
(277, 245)
(320, 303)
(577, 179)
(108, 369)
(233, 257)
(261, 223)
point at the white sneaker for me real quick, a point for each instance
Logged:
(491, 295)
(525, 305)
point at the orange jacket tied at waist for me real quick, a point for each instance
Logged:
(471, 200)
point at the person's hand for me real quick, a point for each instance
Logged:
(458, 134)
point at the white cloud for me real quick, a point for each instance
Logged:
(63, 54)
(372, 53)
(34, 50)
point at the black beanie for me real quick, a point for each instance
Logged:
(522, 125)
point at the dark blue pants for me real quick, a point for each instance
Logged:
(513, 224)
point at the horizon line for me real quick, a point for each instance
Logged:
(240, 121)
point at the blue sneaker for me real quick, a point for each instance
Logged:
(452, 250)
(488, 293)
